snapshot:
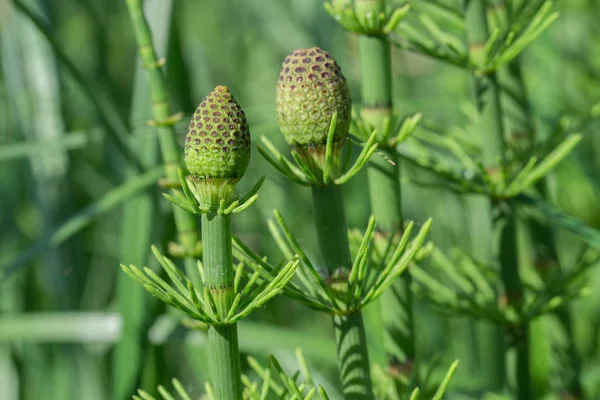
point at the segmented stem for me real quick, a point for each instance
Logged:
(218, 272)
(521, 132)
(384, 186)
(137, 225)
(505, 227)
(187, 231)
(353, 358)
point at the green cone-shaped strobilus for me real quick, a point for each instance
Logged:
(310, 90)
(217, 145)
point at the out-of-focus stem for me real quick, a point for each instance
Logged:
(187, 231)
(137, 223)
(520, 131)
(505, 227)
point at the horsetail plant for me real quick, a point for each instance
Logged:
(372, 21)
(485, 55)
(500, 175)
(275, 382)
(518, 270)
(164, 120)
(314, 112)
(521, 134)
(217, 152)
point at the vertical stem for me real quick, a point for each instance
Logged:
(490, 336)
(137, 222)
(352, 353)
(384, 186)
(492, 130)
(185, 223)
(225, 358)
(332, 234)
(396, 305)
(487, 91)
(521, 132)
(513, 295)
(223, 339)
(516, 111)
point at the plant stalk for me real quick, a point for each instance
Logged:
(384, 189)
(187, 231)
(505, 227)
(521, 132)
(136, 224)
(332, 235)
(514, 297)
(218, 272)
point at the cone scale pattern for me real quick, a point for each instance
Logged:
(310, 90)
(217, 143)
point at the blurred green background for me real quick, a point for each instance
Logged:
(72, 207)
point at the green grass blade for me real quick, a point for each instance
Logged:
(138, 220)
(81, 219)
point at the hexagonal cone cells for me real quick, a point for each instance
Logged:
(310, 90)
(217, 144)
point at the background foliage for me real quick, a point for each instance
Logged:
(74, 204)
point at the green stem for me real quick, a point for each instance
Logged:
(514, 297)
(386, 203)
(218, 272)
(384, 189)
(376, 70)
(490, 336)
(492, 130)
(352, 354)
(521, 132)
(516, 112)
(384, 186)
(332, 234)
(137, 225)
(186, 226)
(487, 89)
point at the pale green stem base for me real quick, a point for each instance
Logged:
(225, 360)
(218, 272)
